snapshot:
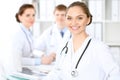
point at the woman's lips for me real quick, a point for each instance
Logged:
(75, 27)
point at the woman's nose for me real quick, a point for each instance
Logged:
(74, 22)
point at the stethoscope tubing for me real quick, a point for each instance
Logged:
(81, 54)
(27, 38)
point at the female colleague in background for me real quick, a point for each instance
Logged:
(53, 37)
(83, 57)
(22, 40)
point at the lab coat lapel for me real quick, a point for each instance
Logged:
(56, 34)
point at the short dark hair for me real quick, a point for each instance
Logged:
(60, 7)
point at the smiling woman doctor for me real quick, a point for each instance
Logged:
(83, 57)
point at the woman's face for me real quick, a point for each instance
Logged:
(28, 17)
(76, 20)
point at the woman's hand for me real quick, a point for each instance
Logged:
(48, 59)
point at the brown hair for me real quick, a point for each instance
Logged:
(60, 7)
(84, 8)
(22, 9)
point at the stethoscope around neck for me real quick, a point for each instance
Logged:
(27, 38)
(74, 73)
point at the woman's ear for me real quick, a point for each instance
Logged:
(19, 17)
(88, 21)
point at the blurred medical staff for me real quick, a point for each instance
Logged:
(22, 39)
(54, 36)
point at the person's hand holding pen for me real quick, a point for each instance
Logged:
(48, 59)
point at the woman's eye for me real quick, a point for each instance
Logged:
(33, 15)
(27, 15)
(80, 18)
(69, 18)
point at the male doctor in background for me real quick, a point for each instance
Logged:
(49, 42)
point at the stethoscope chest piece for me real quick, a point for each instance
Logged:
(74, 73)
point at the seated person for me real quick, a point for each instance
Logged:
(49, 42)
(21, 40)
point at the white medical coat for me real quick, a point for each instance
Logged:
(96, 63)
(22, 46)
(51, 39)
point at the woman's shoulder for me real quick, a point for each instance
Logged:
(17, 34)
(96, 43)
